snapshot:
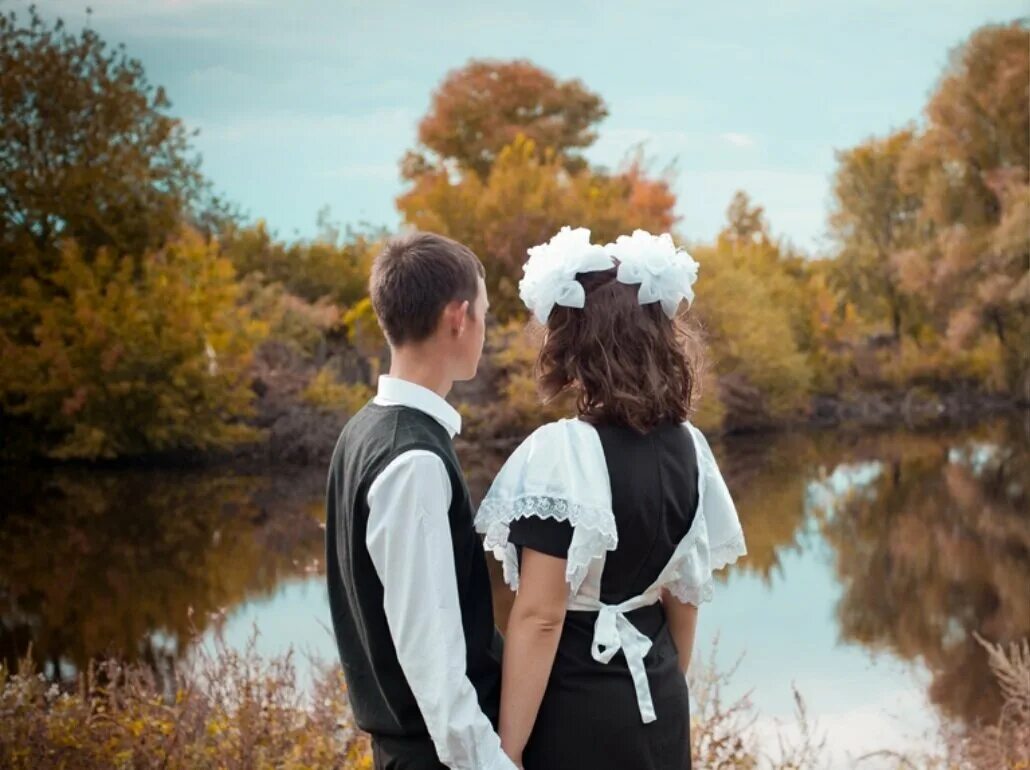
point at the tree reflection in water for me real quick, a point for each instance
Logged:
(931, 541)
(133, 563)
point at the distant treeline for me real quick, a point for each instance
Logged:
(141, 315)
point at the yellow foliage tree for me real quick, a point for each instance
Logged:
(754, 309)
(972, 168)
(315, 270)
(933, 229)
(130, 355)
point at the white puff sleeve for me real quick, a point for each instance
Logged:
(715, 539)
(558, 473)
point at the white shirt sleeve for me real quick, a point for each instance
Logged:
(409, 540)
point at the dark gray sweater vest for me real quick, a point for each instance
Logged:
(381, 699)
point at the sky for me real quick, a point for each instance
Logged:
(304, 104)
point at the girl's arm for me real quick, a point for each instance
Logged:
(683, 625)
(531, 641)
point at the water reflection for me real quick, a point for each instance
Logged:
(131, 563)
(931, 543)
(927, 536)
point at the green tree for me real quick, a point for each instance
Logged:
(751, 299)
(95, 179)
(87, 151)
(744, 220)
(324, 268)
(763, 375)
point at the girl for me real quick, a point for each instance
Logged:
(608, 525)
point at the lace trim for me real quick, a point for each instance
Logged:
(593, 534)
(686, 587)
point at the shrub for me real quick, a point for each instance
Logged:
(326, 392)
(127, 355)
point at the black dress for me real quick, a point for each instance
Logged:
(591, 715)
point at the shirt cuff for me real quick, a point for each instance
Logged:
(501, 761)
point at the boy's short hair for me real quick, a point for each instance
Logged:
(415, 277)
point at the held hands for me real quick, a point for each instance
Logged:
(514, 756)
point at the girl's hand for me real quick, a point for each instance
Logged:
(516, 758)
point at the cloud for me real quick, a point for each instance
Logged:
(613, 145)
(135, 9)
(665, 145)
(224, 78)
(738, 140)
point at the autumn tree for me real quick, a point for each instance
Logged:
(751, 301)
(121, 328)
(971, 168)
(526, 197)
(87, 150)
(130, 355)
(744, 220)
(873, 222)
(481, 108)
(333, 266)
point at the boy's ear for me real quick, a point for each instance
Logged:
(463, 314)
(455, 316)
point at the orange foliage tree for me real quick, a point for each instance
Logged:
(498, 169)
(526, 197)
(481, 108)
(933, 225)
(972, 168)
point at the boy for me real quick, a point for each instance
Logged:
(409, 591)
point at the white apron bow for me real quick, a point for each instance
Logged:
(614, 632)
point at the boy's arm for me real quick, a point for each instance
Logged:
(409, 540)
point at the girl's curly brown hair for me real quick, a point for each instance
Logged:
(628, 363)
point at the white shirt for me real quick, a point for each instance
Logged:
(409, 540)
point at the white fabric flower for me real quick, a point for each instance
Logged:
(665, 274)
(550, 273)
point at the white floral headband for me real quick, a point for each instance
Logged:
(665, 274)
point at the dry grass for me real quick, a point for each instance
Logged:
(722, 732)
(1006, 744)
(230, 710)
(234, 710)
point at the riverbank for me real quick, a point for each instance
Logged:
(301, 434)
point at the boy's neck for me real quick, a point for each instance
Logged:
(420, 367)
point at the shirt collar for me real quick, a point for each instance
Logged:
(397, 391)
